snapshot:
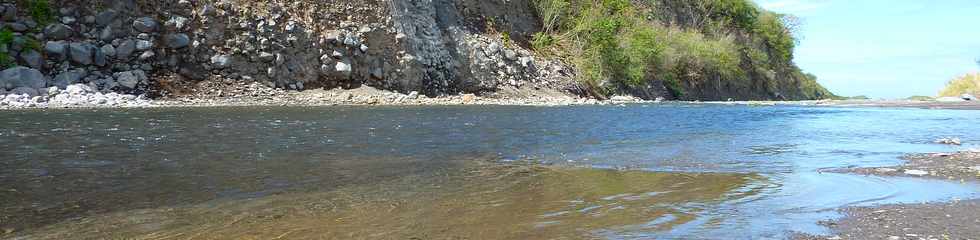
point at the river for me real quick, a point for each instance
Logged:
(641, 171)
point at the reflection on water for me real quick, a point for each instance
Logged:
(472, 172)
(488, 201)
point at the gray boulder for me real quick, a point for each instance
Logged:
(510, 55)
(107, 34)
(22, 77)
(58, 31)
(32, 59)
(56, 50)
(105, 17)
(25, 90)
(125, 49)
(145, 25)
(109, 50)
(68, 78)
(99, 58)
(343, 67)
(147, 55)
(81, 53)
(17, 27)
(220, 61)
(143, 45)
(130, 79)
(177, 41)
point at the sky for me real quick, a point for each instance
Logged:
(885, 48)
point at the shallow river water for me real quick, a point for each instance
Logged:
(458, 172)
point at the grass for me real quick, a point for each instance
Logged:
(968, 83)
(624, 44)
(40, 11)
(6, 38)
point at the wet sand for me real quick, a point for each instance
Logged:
(516, 201)
(950, 220)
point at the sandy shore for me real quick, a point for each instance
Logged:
(950, 220)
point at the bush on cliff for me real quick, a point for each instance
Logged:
(620, 44)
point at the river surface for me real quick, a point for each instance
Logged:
(459, 172)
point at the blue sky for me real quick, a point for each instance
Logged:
(885, 48)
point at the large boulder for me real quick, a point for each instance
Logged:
(99, 57)
(32, 59)
(220, 61)
(177, 41)
(145, 25)
(125, 49)
(56, 50)
(81, 53)
(58, 31)
(67, 78)
(109, 50)
(130, 79)
(22, 77)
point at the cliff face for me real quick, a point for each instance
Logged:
(180, 47)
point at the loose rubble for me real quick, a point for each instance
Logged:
(73, 96)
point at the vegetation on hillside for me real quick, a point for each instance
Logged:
(619, 44)
(968, 83)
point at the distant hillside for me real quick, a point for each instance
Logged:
(685, 49)
(968, 83)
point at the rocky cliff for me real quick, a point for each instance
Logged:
(173, 48)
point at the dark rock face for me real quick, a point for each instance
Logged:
(402, 45)
(22, 77)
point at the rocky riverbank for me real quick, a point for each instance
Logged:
(176, 49)
(952, 220)
(82, 96)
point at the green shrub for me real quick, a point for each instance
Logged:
(6, 36)
(742, 13)
(31, 43)
(551, 13)
(777, 36)
(505, 37)
(969, 83)
(41, 12)
(5, 60)
(618, 43)
(541, 41)
(643, 47)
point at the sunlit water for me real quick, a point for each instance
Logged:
(462, 172)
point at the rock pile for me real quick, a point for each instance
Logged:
(73, 96)
(127, 46)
